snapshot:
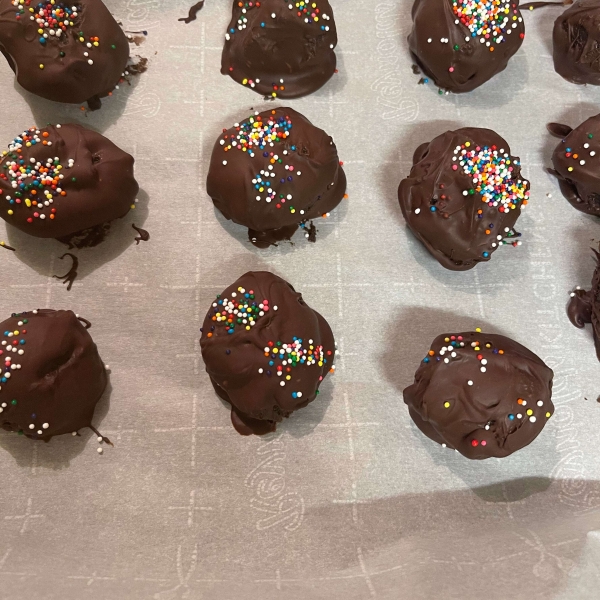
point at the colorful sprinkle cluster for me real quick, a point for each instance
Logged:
(242, 311)
(36, 184)
(256, 133)
(53, 18)
(259, 134)
(242, 21)
(284, 357)
(492, 173)
(12, 348)
(450, 352)
(309, 11)
(488, 20)
(576, 156)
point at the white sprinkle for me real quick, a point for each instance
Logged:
(32, 426)
(74, 434)
(540, 403)
(417, 211)
(45, 426)
(100, 450)
(469, 382)
(261, 371)
(483, 369)
(532, 419)
(282, 383)
(224, 162)
(444, 446)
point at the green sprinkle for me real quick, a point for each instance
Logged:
(13, 402)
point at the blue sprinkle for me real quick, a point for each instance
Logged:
(511, 417)
(426, 359)
(294, 395)
(486, 254)
(433, 209)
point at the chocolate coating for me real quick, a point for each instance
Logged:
(273, 172)
(67, 75)
(584, 307)
(266, 351)
(482, 394)
(280, 49)
(452, 54)
(576, 38)
(98, 186)
(576, 163)
(52, 376)
(460, 212)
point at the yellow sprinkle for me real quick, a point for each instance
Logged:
(10, 212)
(41, 66)
(446, 404)
(529, 412)
(478, 330)
(132, 207)
(548, 415)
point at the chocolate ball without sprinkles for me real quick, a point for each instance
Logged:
(69, 52)
(272, 173)
(575, 39)
(65, 182)
(481, 394)
(461, 44)
(280, 49)
(576, 162)
(51, 375)
(265, 350)
(584, 306)
(463, 196)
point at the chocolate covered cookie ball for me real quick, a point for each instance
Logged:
(266, 351)
(576, 165)
(463, 196)
(273, 172)
(280, 49)
(584, 307)
(51, 376)
(482, 394)
(576, 39)
(63, 51)
(64, 181)
(461, 44)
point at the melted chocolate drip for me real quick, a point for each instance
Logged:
(194, 10)
(87, 323)
(7, 247)
(559, 130)
(104, 439)
(143, 236)
(70, 277)
(312, 232)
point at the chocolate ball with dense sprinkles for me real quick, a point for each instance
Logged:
(65, 182)
(482, 394)
(461, 44)
(266, 351)
(463, 196)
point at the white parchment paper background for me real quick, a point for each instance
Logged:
(348, 501)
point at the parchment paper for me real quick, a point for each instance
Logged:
(348, 500)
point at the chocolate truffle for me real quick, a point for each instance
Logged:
(463, 196)
(273, 172)
(62, 181)
(584, 307)
(266, 351)
(63, 51)
(576, 165)
(461, 44)
(576, 39)
(481, 394)
(280, 49)
(52, 376)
